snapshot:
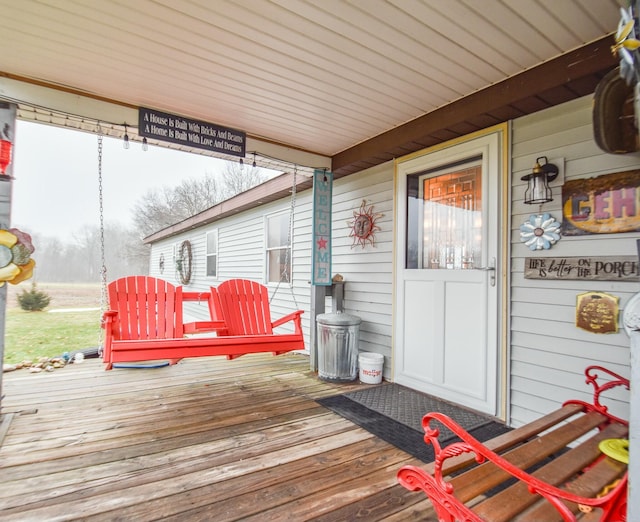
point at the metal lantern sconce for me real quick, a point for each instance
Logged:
(538, 190)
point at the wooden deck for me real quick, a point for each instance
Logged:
(207, 439)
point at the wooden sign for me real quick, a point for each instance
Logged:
(321, 258)
(610, 268)
(603, 205)
(194, 133)
(597, 312)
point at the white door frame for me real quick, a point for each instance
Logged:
(494, 139)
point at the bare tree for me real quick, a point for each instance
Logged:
(237, 178)
(77, 258)
(165, 206)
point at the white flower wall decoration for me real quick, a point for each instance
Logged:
(540, 232)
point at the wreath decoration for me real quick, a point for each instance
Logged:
(363, 226)
(16, 263)
(184, 262)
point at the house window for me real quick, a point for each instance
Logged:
(212, 253)
(278, 248)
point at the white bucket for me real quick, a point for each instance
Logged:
(370, 367)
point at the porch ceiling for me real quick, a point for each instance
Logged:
(360, 81)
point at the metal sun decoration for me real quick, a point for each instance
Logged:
(363, 226)
(540, 232)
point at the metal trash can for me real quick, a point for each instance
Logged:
(338, 335)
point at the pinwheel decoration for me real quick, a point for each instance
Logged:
(626, 46)
(540, 232)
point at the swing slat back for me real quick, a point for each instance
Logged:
(148, 308)
(245, 306)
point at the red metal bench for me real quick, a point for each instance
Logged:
(550, 469)
(145, 322)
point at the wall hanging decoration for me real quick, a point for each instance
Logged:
(541, 231)
(184, 262)
(16, 264)
(598, 268)
(615, 110)
(161, 263)
(363, 226)
(626, 46)
(321, 226)
(631, 316)
(597, 312)
(606, 204)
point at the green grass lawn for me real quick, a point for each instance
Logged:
(29, 335)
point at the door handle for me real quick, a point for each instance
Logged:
(491, 268)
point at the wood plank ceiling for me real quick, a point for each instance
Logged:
(360, 81)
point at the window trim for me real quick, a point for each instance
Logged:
(268, 249)
(207, 254)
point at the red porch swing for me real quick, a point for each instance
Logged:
(144, 321)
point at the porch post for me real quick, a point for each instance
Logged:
(7, 134)
(318, 294)
(633, 499)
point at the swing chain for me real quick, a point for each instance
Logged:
(103, 266)
(287, 272)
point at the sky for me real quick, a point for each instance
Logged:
(56, 189)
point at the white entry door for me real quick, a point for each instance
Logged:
(447, 273)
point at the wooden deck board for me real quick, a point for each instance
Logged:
(207, 439)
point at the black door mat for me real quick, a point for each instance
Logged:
(394, 414)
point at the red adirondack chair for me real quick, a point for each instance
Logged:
(141, 309)
(244, 305)
(145, 322)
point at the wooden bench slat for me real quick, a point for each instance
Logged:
(588, 485)
(511, 438)
(504, 506)
(550, 469)
(487, 476)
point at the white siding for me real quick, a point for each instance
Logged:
(548, 352)
(367, 271)
(241, 254)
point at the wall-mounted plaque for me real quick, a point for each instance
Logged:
(609, 268)
(194, 133)
(597, 312)
(603, 205)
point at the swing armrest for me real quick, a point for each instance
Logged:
(216, 324)
(219, 327)
(108, 323)
(293, 316)
(107, 317)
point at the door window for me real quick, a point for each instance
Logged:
(445, 217)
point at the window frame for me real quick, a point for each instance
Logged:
(269, 248)
(208, 254)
